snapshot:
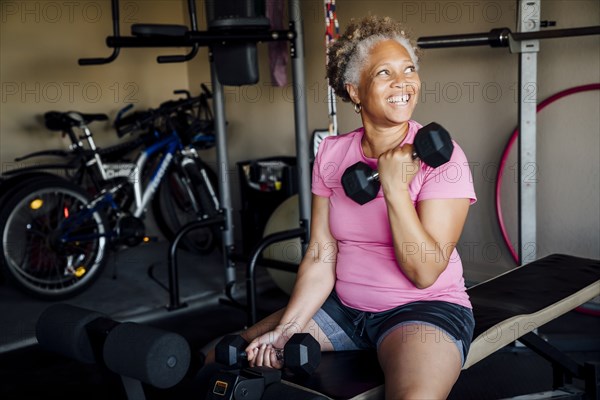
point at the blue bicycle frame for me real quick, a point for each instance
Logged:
(170, 145)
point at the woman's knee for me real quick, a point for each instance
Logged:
(417, 364)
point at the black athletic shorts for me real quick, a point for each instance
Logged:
(351, 329)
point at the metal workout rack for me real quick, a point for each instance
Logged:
(526, 43)
(232, 31)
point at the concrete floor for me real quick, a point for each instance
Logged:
(125, 292)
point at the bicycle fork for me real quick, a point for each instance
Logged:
(209, 202)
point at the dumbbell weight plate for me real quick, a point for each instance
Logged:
(435, 147)
(358, 184)
(302, 354)
(230, 351)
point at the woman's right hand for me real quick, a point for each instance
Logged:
(267, 349)
(263, 351)
(397, 168)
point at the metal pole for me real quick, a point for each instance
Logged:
(528, 21)
(501, 37)
(201, 38)
(251, 267)
(558, 33)
(116, 33)
(496, 38)
(300, 120)
(223, 172)
(173, 264)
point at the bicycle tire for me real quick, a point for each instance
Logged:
(10, 182)
(172, 209)
(35, 259)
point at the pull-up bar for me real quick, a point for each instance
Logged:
(202, 38)
(501, 37)
(116, 32)
(247, 30)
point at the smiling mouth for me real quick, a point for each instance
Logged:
(401, 100)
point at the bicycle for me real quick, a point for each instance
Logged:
(56, 235)
(75, 164)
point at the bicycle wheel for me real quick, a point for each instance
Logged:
(52, 246)
(177, 202)
(10, 182)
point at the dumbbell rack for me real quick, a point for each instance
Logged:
(525, 42)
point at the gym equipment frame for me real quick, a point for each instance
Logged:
(152, 35)
(507, 308)
(526, 43)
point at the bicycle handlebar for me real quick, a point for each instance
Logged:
(123, 111)
(169, 110)
(134, 122)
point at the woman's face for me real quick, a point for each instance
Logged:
(389, 85)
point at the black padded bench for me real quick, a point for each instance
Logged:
(508, 307)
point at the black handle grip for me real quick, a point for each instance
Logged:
(495, 38)
(100, 61)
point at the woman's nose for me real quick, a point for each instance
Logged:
(398, 81)
(405, 84)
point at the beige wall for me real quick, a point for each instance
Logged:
(471, 91)
(41, 42)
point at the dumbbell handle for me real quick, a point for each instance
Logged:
(278, 354)
(375, 175)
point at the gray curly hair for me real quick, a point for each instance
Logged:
(348, 55)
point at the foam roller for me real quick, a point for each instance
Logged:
(151, 355)
(61, 328)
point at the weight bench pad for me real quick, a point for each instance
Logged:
(505, 307)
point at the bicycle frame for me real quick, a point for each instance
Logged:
(143, 196)
(66, 227)
(79, 160)
(125, 189)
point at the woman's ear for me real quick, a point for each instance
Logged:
(353, 93)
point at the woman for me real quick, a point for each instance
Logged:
(384, 275)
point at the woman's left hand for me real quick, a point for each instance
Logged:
(397, 168)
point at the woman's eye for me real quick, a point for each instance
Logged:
(383, 72)
(410, 69)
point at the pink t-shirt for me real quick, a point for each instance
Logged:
(368, 276)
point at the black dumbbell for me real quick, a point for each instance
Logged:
(432, 144)
(301, 354)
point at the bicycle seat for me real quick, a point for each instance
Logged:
(63, 121)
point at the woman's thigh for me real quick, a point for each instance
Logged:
(420, 361)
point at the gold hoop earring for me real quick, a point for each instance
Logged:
(357, 108)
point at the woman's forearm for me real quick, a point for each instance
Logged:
(418, 254)
(314, 282)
